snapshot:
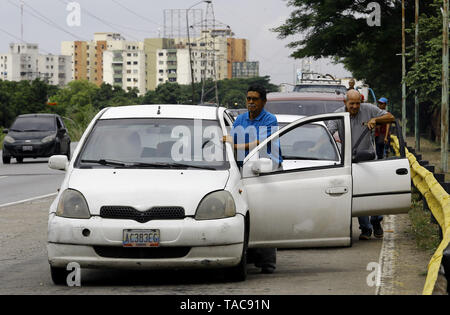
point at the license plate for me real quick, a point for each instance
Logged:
(27, 148)
(140, 238)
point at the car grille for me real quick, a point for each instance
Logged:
(141, 253)
(129, 213)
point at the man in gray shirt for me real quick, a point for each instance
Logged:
(363, 116)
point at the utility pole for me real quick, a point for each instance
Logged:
(445, 90)
(21, 20)
(190, 48)
(403, 72)
(416, 98)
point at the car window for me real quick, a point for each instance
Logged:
(156, 141)
(302, 107)
(299, 143)
(37, 123)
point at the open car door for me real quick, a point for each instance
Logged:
(381, 186)
(306, 202)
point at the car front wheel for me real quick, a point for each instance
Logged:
(6, 159)
(59, 275)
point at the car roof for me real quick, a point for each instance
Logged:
(292, 96)
(288, 118)
(161, 111)
(37, 115)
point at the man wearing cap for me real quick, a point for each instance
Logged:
(382, 132)
(362, 116)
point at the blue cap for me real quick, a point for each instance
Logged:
(383, 100)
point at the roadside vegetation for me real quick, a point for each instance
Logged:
(424, 231)
(80, 101)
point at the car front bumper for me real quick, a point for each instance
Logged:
(184, 244)
(38, 149)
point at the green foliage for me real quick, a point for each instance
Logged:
(426, 75)
(339, 29)
(80, 101)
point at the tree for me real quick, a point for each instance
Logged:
(426, 75)
(339, 29)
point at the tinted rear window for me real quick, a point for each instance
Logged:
(38, 123)
(306, 108)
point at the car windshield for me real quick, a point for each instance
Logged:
(297, 143)
(155, 143)
(305, 108)
(34, 124)
(318, 88)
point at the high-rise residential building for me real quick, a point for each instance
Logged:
(23, 62)
(248, 69)
(144, 65)
(89, 61)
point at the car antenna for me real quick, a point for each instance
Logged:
(159, 110)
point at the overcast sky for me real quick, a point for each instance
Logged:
(139, 19)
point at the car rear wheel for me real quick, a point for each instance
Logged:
(59, 275)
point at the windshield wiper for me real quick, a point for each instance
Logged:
(300, 158)
(107, 162)
(172, 165)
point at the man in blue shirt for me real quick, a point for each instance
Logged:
(248, 131)
(253, 127)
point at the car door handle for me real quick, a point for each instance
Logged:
(337, 190)
(402, 171)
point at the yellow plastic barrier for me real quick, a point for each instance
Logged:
(439, 203)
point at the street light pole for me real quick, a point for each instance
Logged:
(190, 48)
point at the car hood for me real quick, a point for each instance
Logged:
(143, 189)
(30, 135)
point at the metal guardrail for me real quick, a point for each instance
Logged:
(439, 203)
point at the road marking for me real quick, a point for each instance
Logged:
(386, 261)
(3, 177)
(27, 200)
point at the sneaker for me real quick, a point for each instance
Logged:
(365, 235)
(377, 229)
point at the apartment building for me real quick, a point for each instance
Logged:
(89, 63)
(23, 62)
(247, 69)
(213, 55)
(144, 65)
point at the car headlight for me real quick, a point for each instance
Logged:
(216, 205)
(9, 139)
(48, 139)
(73, 205)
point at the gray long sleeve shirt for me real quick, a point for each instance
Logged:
(366, 113)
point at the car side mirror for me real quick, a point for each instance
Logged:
(363, 156)
(58, 162)
(262, 165)
(5, 131)
(62, 131)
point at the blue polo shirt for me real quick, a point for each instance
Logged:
(246, 130)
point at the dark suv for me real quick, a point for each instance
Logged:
(35, 135)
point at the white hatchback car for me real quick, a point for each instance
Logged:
(153, 186)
